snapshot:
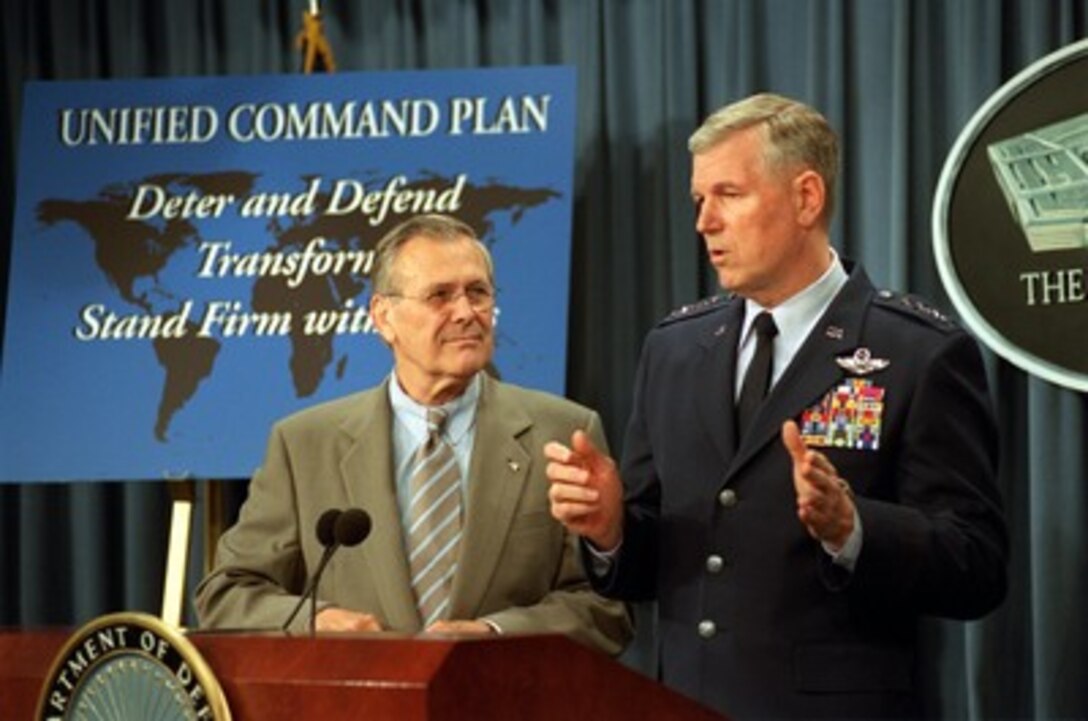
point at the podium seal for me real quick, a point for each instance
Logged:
(127, 666)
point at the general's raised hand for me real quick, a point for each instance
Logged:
(824, 502)
(586, 493)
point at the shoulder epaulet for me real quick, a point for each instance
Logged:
(696, 309)
(915, 307)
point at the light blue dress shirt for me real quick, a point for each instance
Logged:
(410, 431)
(795, 318)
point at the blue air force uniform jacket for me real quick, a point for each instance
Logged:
(754, 619)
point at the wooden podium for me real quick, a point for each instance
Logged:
(274, 677)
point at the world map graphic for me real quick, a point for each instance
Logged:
(142, 259)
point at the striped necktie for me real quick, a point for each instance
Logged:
(434, 518)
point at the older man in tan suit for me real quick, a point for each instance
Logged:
(445, 459)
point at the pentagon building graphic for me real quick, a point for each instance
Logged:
(1044, 176)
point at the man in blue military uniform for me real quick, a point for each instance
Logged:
(810, 463)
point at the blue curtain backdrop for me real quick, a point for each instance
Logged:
(898, 79)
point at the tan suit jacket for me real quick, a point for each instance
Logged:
(518, 567)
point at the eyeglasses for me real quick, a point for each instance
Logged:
(479, 296)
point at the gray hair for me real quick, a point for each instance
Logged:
(434, 226)
(795, 135)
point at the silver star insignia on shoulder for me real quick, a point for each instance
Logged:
(862, 362)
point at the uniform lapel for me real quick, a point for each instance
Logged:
(498, 473)
(367, 473)
(719, 362)
(813, 370)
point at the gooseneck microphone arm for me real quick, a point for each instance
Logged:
(312, 590)
(335, 528)
(326, 536)
(351, 528)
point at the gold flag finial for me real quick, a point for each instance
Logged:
(311, 42)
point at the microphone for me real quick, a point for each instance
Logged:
(326, 536)
(326, 527)
(352, 527)
(334, 528)
(349, 528)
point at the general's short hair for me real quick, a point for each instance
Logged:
(796, 135)
(432, 225)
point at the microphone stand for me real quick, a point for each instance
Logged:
(335, 528)
(313, 607)
(311, 592)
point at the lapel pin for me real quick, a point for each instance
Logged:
(862, 362)
(834, 332)
(720, 330)
(514, 465)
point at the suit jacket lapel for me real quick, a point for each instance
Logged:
(367, 473)
(498, 473)
(716, 404)
(813, 370)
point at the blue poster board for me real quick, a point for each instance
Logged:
(191, 256)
